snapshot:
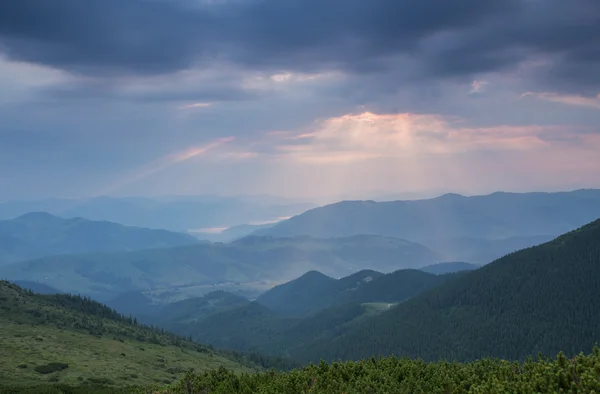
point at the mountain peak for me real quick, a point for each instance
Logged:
(37, 216)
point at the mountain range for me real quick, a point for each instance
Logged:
(540, 299)
(248, 266)
(176, 213)
(475, 229)
(40, 234)
(291, 315)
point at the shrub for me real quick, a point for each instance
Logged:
(49, 368)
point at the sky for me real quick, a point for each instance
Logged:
(298, 98)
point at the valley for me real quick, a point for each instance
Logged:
(264, 301)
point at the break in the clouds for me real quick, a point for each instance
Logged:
(297, 97)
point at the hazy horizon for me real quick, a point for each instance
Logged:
(379, 196)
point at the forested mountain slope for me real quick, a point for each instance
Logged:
(287, 330)
(185, 312)
(69, 339)
(311, 292)
(314, 291)
(542, 299)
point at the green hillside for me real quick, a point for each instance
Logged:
(73, 340)
(248, 267)
(542, 299)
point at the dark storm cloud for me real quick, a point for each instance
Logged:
(442, 38)
(161, 35)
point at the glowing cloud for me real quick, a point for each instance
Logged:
(415, 152)
(367, 135)
(196, 105)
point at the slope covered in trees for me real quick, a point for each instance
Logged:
(70, 339)
(542, 299)
(320, 309)
(313, 291)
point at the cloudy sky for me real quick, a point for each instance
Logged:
(299, 98)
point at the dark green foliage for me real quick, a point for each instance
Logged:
(404, 376)
(310, 292)
(67, 389)
(49, 368)
(197, 308)
(397, 286)
(542, 299)
(254, 328)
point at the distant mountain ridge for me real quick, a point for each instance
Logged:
(445, 222)
(38, 234)
(194, 270)
(177, 213)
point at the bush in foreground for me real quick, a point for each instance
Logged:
(580, 374)
(393, 375)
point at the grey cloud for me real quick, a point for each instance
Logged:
(160, 35)
(358, 36)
